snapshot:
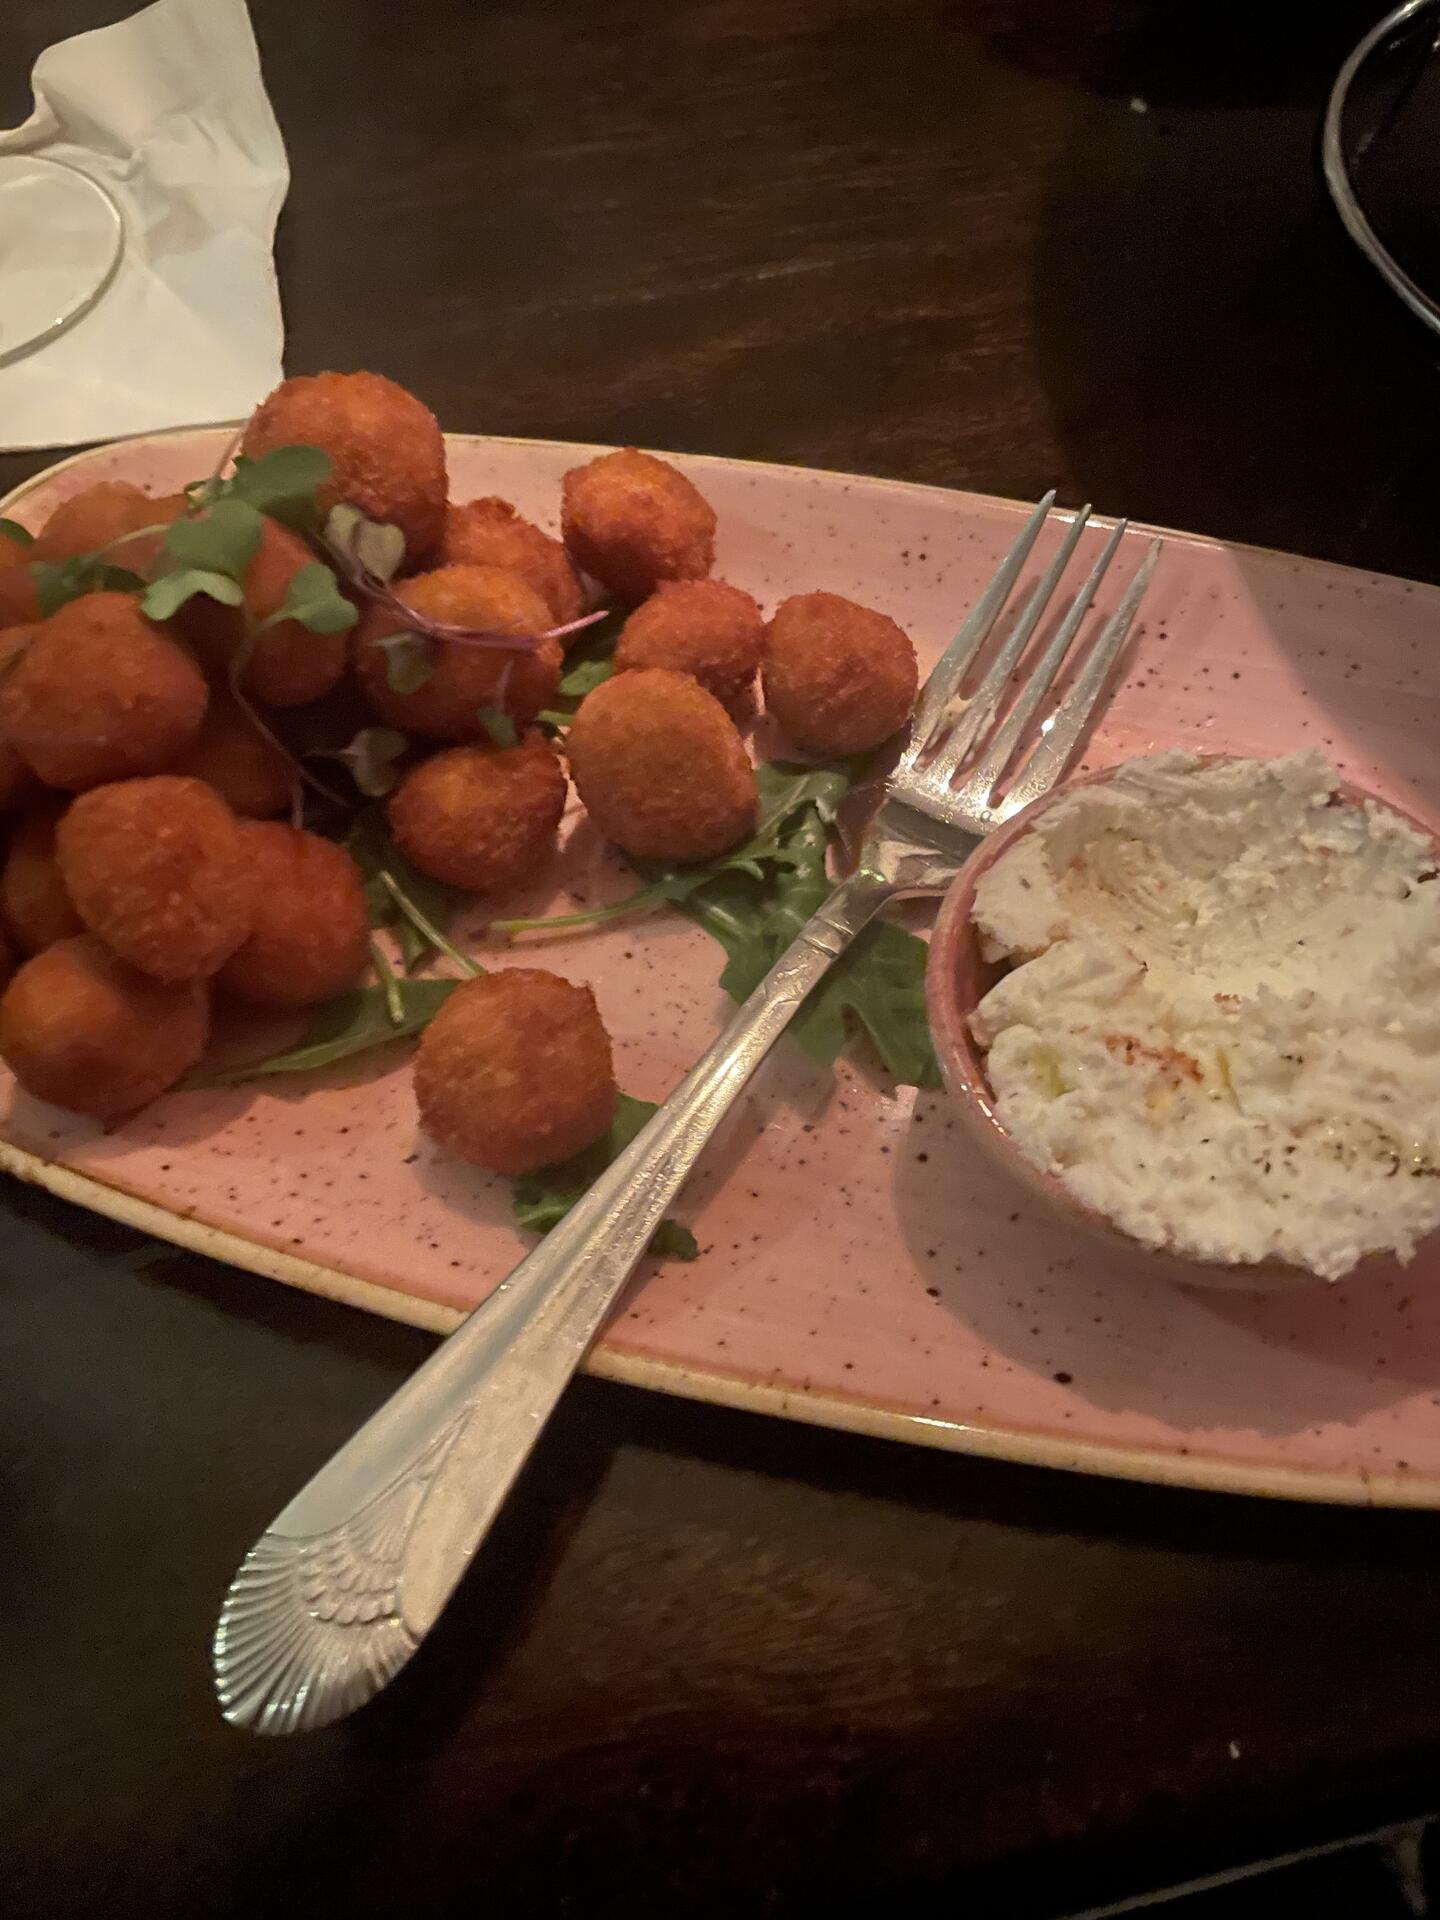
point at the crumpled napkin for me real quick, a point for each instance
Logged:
(168, 111)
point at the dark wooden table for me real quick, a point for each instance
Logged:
(712, 1664)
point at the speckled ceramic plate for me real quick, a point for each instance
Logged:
(857, 1269)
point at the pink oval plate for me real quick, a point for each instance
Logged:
(859, 1267)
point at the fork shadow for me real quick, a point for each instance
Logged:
(1053, 1302)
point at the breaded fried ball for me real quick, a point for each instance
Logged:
(700, 627)
(661, 768)
(17, 782)
(386, 448)
(101, 693)
(82, 1028)
(515, 1071)
(464, 677)
(35, 904)
(632, 521)
(14, 551)
(490, 533)
(287, 665)
(100, 516)
(311, 933)
(231, 755)
(839, 678)
(19, 599)
(158, 870)
(483, 818)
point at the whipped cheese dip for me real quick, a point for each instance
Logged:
(1221, 1026)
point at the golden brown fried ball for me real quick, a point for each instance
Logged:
(19, 599)
(661, 768)
(14, 551)
(102, 515)
(230, 754)
(287, 665)
(35, 904)
(700, 627)
(515, 1071)
(490, 533)
(101, 694)
(311, 933)
(17, 782)
(157, 868)
(386, 448)
(632, 521)
(464, 678)
(82, 1028)
(483, 818)
(839, 678)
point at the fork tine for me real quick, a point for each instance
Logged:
(1062, 731)
(979, 710)
(950, 668)
(984, 778)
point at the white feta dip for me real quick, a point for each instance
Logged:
(1221, 1024)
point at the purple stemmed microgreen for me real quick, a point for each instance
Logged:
(368, 554)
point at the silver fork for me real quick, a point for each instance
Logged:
(341, 1589)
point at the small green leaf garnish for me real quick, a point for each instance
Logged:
(556, 721)
(166, 596)
(377, 856)
(394, 999)
(224, 539)
(409, 660)
(584, 677)
(56, 586)
(498, 726)
(12, 530)
(350, 1024)
(282, 483)
(376, 546)
(543, 1199)
(314, 599)
(372, 758)
(427, 929)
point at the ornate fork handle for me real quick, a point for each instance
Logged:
(340, 1590)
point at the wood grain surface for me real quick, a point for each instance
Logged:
(714, 1665)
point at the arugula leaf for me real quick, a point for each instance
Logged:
(12, 530)
(56, 586)
(313, 597)
(499, 726)
(543, 1199)
(409, 659)
(350, 1024)
(783, 789)
(375, 853)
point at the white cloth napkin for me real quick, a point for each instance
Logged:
(167, 110)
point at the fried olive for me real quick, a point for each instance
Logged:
(490, 533)
(661, 768)
(483, 818)
(632, 521)
(101, 693)
(386, 450)
(35, 904)
(838, 678)
(515, 1071)
(82, 1028)
(458, 679)
(158, 870)
(310, 937)
(700, 627)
